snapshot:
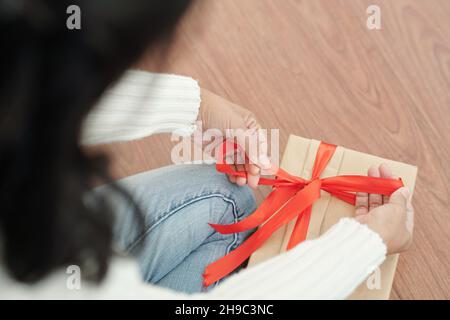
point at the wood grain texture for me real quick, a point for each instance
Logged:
(312, 68)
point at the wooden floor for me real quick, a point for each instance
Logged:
(312, 68)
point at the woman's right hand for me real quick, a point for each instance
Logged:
(391, 217)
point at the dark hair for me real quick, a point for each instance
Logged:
(50, 78)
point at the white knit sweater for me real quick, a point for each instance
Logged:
(142, 104)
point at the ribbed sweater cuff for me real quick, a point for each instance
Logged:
(141, 104)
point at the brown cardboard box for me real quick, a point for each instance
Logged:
(298, 159)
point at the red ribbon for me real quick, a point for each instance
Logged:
(291, 197)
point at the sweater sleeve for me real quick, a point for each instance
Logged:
(329, 267)
(141, 104)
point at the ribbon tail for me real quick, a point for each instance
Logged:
(300, 230)
(225, 265)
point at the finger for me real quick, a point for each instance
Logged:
(361, 203)
(230, 158)
(251, 147)
(263, 157)
(400, 197)
(375, 200)
(409, 216)
(257, 149)
(385, 172)
(252, 169)
(231, 177)
(247, 158)
(252, 175)
(241, 181)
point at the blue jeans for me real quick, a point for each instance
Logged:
(174, 243)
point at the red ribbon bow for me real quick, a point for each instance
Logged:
(291, 197)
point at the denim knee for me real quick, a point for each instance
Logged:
(242, 197)
(214, 182)
(159, 192)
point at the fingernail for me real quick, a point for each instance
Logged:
(405, 192)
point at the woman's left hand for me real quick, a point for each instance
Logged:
(218, 113)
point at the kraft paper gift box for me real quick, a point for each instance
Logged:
(298, 159)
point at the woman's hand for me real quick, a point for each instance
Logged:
(218, 113)
(391, 217)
